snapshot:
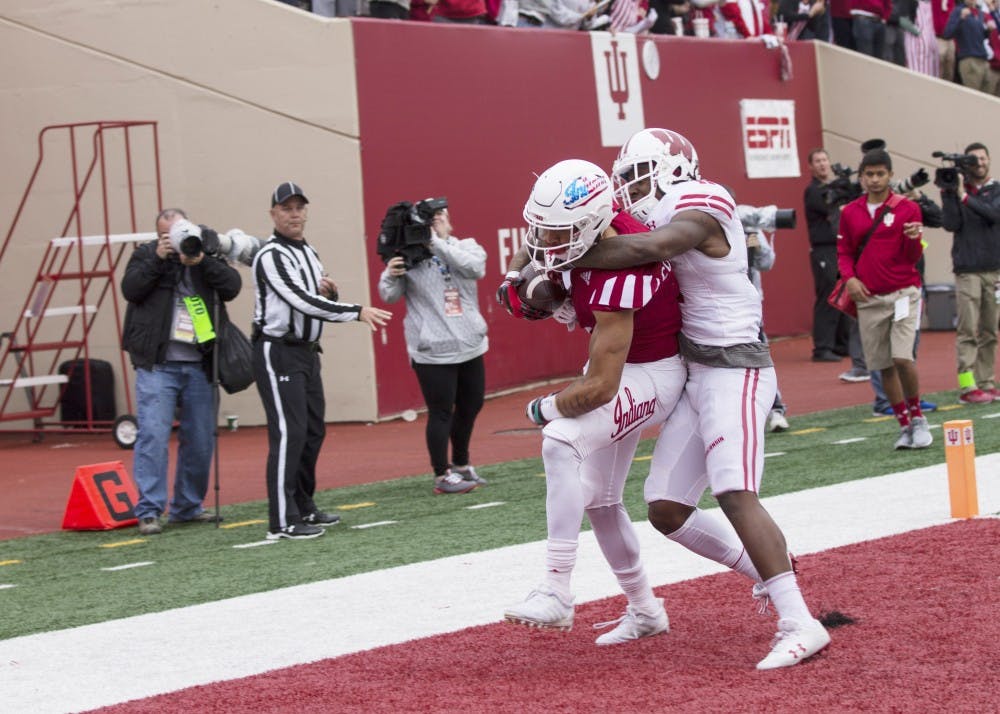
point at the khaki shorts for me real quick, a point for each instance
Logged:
(883, 338)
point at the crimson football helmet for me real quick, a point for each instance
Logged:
(574, 197)
(663, 157)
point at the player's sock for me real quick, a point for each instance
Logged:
(635, 585)
(783, 589)
(913, 405)
(616, 536)
(559, 561)
(902, 413)
(715, 539)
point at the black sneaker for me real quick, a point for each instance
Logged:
(318, 518)
(296, 531)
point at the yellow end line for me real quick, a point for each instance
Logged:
(119, 544)
(813, 430)
(353, 506)
(240, 524)
(10, 562)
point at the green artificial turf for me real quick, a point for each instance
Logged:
(59, 581)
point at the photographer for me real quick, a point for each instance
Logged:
(971, 203)
(171, 286)
(831, 327)
(445, 337)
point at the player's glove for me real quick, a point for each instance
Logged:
(511, 301)
(566, 315)
(542, 410)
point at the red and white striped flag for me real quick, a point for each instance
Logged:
(624, 14)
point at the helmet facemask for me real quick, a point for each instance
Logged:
(629, 176)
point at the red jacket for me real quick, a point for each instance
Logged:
(941, 10)
(889, 260)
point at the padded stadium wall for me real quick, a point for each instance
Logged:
(246, 93)
(364, 113)
(863, 99)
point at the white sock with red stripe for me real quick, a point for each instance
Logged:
(783, 589)
(715, 539)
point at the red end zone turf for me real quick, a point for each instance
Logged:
(926, 624)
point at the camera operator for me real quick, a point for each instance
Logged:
(445, 339)
(171, 286)
(831, 327)
(971, 203)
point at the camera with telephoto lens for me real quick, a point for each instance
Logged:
(191, 240)
(947, 178)
(765, 218)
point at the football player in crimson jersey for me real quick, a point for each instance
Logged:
(632, 380)
(715, 436)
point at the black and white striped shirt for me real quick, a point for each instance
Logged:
(286, 276)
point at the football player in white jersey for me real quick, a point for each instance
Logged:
(632, 381)
(715, 436)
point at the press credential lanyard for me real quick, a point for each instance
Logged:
(201, 321)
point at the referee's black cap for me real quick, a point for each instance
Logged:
(285, 191)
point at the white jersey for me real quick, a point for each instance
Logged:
(719, 304)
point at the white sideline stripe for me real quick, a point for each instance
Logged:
(6, 586)
(128, 566)
(775, 453)
(362, 526)
(255, 544)
(491, 504)
(990, 416)
(854, 440)
(81, 668)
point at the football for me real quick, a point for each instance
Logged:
(538, 291)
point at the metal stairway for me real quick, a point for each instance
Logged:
(76, 281)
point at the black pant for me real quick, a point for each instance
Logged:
(454, 395)
(831, 327)
(387, 10)
(291, 389)
(843, 32)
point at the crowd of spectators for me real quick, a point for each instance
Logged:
(957, 41)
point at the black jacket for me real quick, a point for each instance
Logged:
(148, 286)
(976, 225)
(821, 217)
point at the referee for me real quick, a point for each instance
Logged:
(293, 300)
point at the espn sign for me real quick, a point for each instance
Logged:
(769, 145)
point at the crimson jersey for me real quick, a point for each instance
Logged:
(651, 290)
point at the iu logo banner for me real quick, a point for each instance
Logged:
(769, 144)
(619, 96)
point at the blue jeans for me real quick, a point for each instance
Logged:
(158, 393)
(869, 36)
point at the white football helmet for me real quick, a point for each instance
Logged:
(573, 196)
(663, 156)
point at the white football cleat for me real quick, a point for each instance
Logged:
(542, 608)
(634, 625)
(794, 643)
